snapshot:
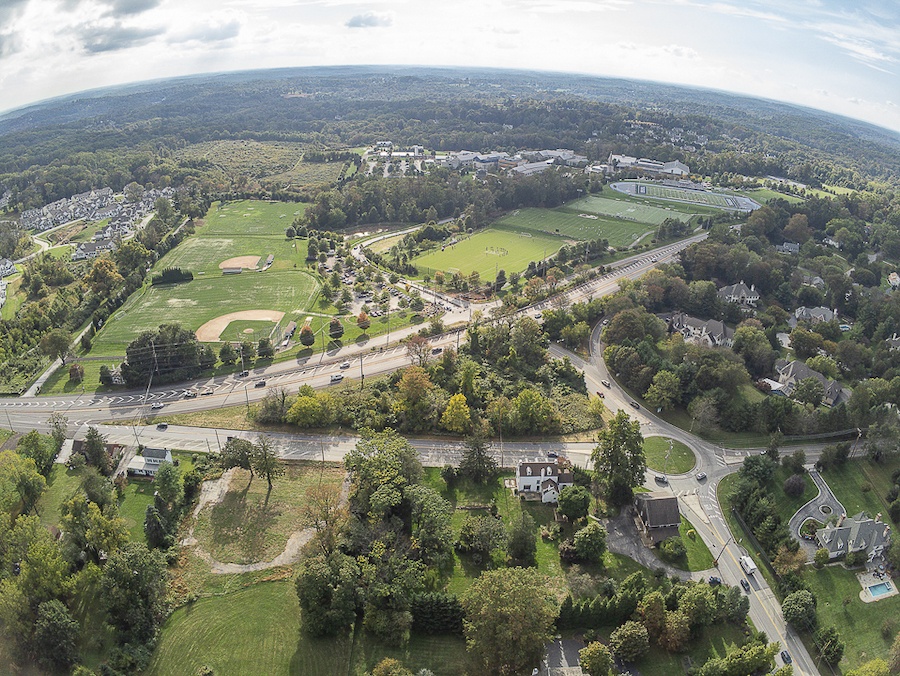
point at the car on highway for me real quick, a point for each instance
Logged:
(701, 476)
(552, 454)
(162, 426)
(345, 365)
(259, 383)
(786, 657)
(156, 405)
(634, 404)
(243, 374)
(337, 377)
(601, 395)
(208, 391)
(437, 350)
(605, 383)
(745, 585)
(190, 394)
(605, 322)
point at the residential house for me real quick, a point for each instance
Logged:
(814, 280)
(894, 280)
(658, 515)
(893, 342)
(858, 534)
(546, 479)
(788, 248)
(740, 293)
(811, 315)
(7, 267)
(791, 373)
(92, 249)
(711, 333)
(148, 463)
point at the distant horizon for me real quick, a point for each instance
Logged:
(388, 68)
(820, 54)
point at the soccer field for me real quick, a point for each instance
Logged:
(492, 249)
(248, 228)
(626, 209)
(731, 201)
(570, 225)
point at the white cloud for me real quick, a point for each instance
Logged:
(370, 20)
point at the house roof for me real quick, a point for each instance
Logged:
(546, 469)
(157, 453)
(658, 509)
(859, 533)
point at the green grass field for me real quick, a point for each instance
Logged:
(246, 228)
(861, 486)
(681, 459)
(241, 330)
(257, 630)
(626, 209)
(483, 252)
(618, 232)
(698, 555)
(765, 195)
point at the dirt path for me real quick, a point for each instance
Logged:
(214, 491)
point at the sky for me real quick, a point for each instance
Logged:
(842, 56)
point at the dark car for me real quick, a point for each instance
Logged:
(634, 404)
(437, 350)
(715, 581)
(786, 657)
(243, 374)
(552, 454)
(162, 426)
(745, 585)
(259, 383)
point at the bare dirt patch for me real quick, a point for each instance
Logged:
(211, 330)
(248, 262)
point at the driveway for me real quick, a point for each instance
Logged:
(812, 509)
(623, 538)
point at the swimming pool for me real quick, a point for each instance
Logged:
(880, 589)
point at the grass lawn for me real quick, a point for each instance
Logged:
(680, 461)
(244, 528)
(241, 330)
(133, 506)
(256, 630)
(785, 505)
(858, 623)
(14, 299)
(62, 485)
(64, 252)
(698, 555)
(59, 383)
(488, 250)
(566, 222)
(861, 487)
(765, 195)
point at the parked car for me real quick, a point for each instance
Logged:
(162, 426)
(745, 585)
(701, 476)
(259, 383)
(337, 377)
(156, 405)
(605, 383)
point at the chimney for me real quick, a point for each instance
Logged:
(878, 518)
(887, 531)
(841, 520)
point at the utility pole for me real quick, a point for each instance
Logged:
(362, 376)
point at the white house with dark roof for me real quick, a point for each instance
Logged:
(857, 534)
(740, 293)
(710, 332)
(148, 463)
(7, 267)
(546, 479)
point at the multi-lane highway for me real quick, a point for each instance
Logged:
(698, 498)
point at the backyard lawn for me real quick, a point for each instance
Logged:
(861, 486)
(680, 460)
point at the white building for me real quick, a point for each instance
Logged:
(544, 478)
(740, 293)
(148, 463)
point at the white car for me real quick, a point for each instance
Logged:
(345, 365)
(337, 377)
(156, 405)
